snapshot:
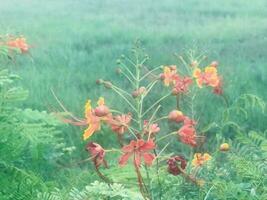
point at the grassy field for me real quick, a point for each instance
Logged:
(76, 42)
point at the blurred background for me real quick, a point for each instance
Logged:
(76, 42)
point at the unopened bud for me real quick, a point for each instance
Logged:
(173, 67)
(101, 111)
(224, 147)
(194, 63)
(214, 64)
(108, 84)
(118, 61)
(99, 81)
(176, 116)
(135, 93)
(118, 70)
(142, 90)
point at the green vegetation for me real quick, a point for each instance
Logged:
(73, 43)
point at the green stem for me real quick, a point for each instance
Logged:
(165, 136)
(158, 101)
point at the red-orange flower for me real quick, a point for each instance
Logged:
(169, 75)
(181, 85)
(187, 135)
(93, 117)
(120, 123)
(175, 164)
(19, 43)
(151, 128)
(189, 122)
(139, 149)
(200, 159)
(208, 77)
(97, 153)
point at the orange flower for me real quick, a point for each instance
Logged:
(208, 77)
(181, 85)
(120, 123)
(95, 116)
(169, 75)
(19, 43)
(200, 159)
(138, 149)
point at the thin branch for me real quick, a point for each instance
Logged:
(151, 107)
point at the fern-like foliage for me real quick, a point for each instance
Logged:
(94, 191)
(30, 142)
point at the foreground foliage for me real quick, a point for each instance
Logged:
(220, 158)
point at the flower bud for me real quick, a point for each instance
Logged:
(118, 70)
(99, 81)
(108, 84)
(162, 76)
(224, 147)
(142, 90)
(173, 67)
(118, 61)
(101, 111)
(135, 94)
(194, 63)
(214, 64)
(176, 116)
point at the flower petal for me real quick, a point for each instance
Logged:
(148, 158)
(124, 159)
(147, 146)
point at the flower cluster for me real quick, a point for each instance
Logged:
(139, 130)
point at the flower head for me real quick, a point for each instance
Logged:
(120, 123)
(94, 117)
(169, 75)
(181, 85)
(151, 128)
(19, 43)
(97, 153)
(139, 149)
(187, 135)
(200, 159)
(209, 77)
(175, 164)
